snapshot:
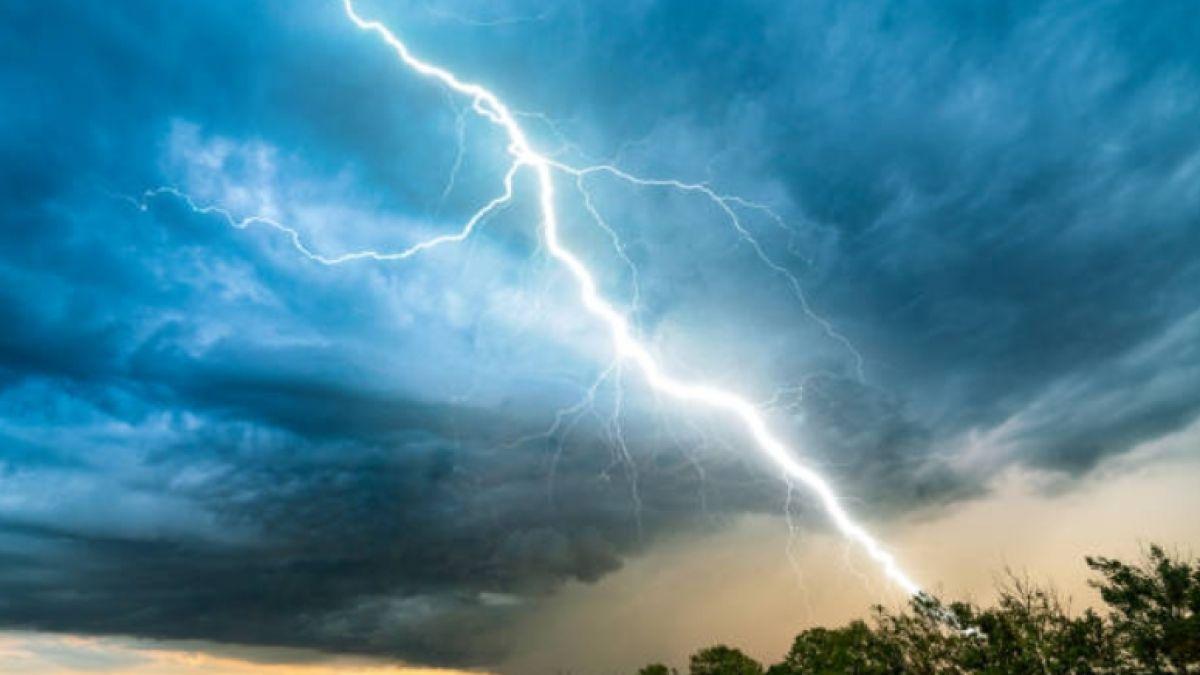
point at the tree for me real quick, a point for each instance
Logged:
(1029, 631)
(1156, 610)
(854, 650)
(722, 660)
(930, 637)
(656, 669)
(1152, 627)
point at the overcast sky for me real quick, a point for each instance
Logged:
(964, 284)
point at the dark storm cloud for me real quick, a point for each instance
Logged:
(1017, 211)
(203, 435)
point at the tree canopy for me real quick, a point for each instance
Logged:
(1151, 626)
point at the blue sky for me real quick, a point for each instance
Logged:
(991, 211)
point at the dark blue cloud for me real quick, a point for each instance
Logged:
(205, 435)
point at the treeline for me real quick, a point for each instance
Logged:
(1151, 624)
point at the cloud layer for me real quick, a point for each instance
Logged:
(205, 435)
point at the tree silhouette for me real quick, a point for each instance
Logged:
(722, 660)
(1152, 627)
(1155, 610)
(854, 649)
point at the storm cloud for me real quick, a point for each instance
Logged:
(992, 212)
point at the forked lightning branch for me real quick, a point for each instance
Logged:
(627, 348)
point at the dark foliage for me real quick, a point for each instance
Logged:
(1155, 610)
(722, 660)
(1152, 626)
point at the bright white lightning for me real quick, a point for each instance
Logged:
(726, 204)
(242, 223)
(626, 346)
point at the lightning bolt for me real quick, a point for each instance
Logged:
(627, 348)
(625, 345)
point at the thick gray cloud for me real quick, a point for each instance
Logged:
(204, 435)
